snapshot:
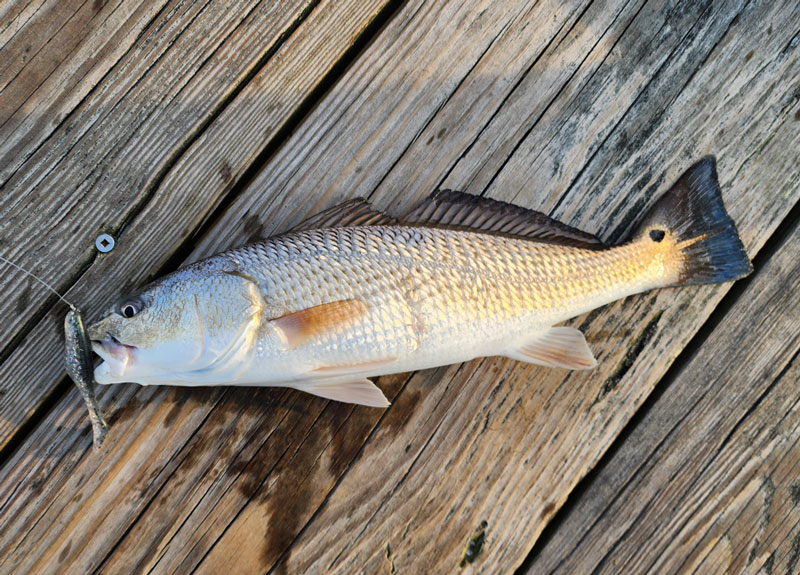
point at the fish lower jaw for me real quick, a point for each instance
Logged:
(116, 357)
(103, 374)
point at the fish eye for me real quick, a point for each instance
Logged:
(130, 307)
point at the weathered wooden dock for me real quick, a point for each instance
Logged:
(183, 128)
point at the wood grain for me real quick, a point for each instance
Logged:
(52, 55)
(99, 168)
(707, 480)
(582, 110)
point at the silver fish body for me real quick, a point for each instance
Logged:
(322, 309)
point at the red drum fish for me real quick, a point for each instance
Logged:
(352, 293)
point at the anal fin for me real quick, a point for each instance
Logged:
(557, 347)
(358, 391)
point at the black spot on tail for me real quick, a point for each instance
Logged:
(692, 214)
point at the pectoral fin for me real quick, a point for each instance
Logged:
(358, 391)
(296, 328)
(557, 347)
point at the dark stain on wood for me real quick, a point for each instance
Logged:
(289, 512)
(253, 228)
(403, 404)
(794, 554)
(225, 172)
(474, 546)
(344, 443)
(65, 552)
(174, 409)
(125, 412)
(23, 299)
(794, 491)
(634, 350)
(97, 5)
(247, 482)
(548, 509)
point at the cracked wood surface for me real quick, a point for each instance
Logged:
(210, 130)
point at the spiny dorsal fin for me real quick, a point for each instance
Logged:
(355, 212)
(449, 208)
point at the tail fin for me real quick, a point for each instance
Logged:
(706, 246)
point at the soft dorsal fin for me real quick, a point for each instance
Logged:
(449, 208)
(355, 212)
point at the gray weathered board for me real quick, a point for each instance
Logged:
(186, 128)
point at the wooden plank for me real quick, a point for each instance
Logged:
(99, 168)
(52, 54)
(706, 482)
(241, 473)
(178, 74)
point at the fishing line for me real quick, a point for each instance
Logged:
(41, 281)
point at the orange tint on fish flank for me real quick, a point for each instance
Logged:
(298, 327)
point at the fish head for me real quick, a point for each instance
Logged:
(173, 327)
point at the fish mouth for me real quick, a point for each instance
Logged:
(116, 356)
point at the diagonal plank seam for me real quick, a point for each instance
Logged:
(325, 83)
(516, 86)
(31, 58)
(552, 101)
(175, 457)
(336, 484)
(283, 132)
(436, 111)
(639, 95)
(227, 490)
(766, 479)
(402, 480)
(264, 481)
(626, 223)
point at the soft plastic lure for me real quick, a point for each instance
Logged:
(78, 358)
